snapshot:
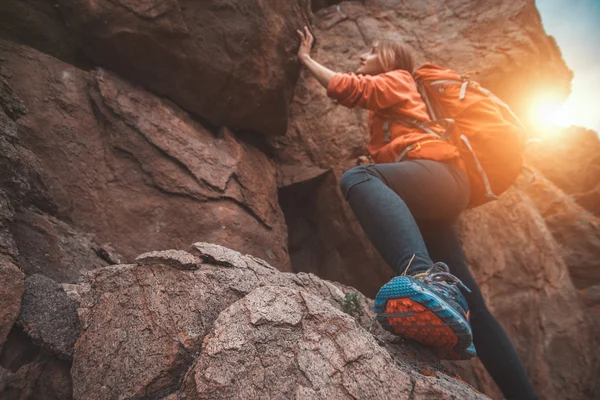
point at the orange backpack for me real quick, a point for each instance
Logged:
(489, 137)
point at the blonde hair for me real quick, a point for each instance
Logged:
(394, 55)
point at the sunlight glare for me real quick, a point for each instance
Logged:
(547, 112)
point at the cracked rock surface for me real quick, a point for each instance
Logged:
(143, 327)
(282, 343)
(137, 170)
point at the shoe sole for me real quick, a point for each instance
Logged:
(416, 313)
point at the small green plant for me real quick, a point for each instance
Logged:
(352, 305)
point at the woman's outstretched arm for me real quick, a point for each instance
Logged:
(321, 73)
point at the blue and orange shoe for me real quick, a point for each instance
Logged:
(428, 308)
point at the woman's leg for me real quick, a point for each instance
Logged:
(385, 197)
(493, 345)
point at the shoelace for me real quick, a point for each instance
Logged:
(442, 278)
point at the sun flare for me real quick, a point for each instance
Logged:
(548, 113)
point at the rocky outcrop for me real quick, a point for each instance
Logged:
(232, 63)
(144, 325)
(51, 247)
(569, 158)
(119, 160)
(576, 231)
(286, 343)
(522, 273)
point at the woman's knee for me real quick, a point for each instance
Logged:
(353, 177)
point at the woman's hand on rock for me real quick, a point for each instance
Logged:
(306, 42)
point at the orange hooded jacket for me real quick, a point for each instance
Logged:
(390, 96)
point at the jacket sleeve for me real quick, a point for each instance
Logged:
(371, 92)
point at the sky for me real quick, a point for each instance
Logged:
(575, 24)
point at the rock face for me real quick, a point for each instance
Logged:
(11, 290)
(115, 169)
(576, 231)
(570, 160)
(232, 63)
(51, 247)
(284, 343)
(526, 283)
(143, 325)
(26, 372)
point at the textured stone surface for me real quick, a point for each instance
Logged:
(38, 24)
(232, 62)
(53, 248)
(570, 160)
(174, 258)
(27, 372)
(11, 291)
(576, 231)
(145, 175)
(143, 325)
(49, 317)
(521, 272)
(282, 343)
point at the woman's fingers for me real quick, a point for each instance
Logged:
(309, 36)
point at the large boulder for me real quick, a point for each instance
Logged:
(233, 63)
(282, 343)
(49, 317)
(137, 171)
(144, 324)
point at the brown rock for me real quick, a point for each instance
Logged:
(27, 373)
(143, 325)
(232, 63)
(49, 317)
(11, 291)
(53, 248)
(576, 231)
(284, 343)
(569, 159)
(145, 175)
(38, 23)
(521, 272)
(174, 258)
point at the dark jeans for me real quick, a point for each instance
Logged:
(407, 209)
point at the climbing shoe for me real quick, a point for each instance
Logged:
(428, 308)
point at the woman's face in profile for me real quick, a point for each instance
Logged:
(370, 63)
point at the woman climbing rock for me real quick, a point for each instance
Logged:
(406, 203)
